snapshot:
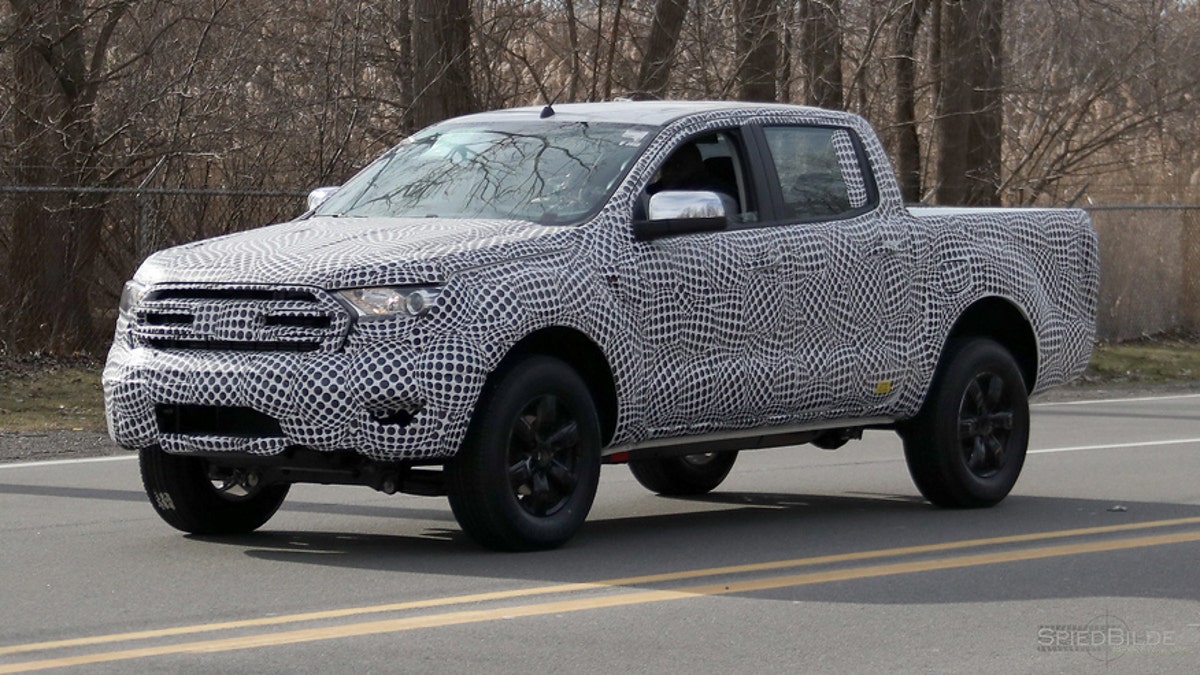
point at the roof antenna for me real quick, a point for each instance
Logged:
(548, 111)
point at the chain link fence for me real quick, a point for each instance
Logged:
(1150, 255)
(1149, 270)
(135, 222)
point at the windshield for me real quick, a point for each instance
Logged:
(547, 172)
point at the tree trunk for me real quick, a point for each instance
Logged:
(987, 128)
(821, 52)
(908, 143)
(55, 237)
(970, 114)
(403, 30)
(573, 39)
(658, 57)
(757, 50)
(612, 50)
(441, 48)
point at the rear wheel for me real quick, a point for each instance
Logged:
(967, 446)
(190, 496)
(527, 473)
(687, 475)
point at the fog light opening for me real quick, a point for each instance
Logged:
(400, 417)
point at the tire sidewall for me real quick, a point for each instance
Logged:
(183, 496)
(967, 360)
(482, 465)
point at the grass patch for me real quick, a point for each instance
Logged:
(1157, 360)
(38, 393)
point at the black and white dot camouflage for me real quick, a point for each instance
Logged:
(739, 329)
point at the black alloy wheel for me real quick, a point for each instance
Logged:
(966, 447)
(543, 462)
(527, 472)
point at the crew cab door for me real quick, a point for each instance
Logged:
(845, 270)
(709, 302)
(798, 311)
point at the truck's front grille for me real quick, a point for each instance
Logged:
(235, 318)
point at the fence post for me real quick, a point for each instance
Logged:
(144, 245)
(144, 236)
(1189, 291)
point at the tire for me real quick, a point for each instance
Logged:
(184, 495)
(527, 472)
(687, 475)
(966, 447)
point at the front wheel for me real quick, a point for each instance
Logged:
(192, 498)
(966, 447)
(688, 475)
(527, 473)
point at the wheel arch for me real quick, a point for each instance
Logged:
(581, 353)
(1002, 320)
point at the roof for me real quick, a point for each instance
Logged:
(656, 113)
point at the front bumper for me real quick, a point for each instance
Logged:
(388, 402)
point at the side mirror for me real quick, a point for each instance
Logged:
(317, 197)
(682, 211)
(687, 205)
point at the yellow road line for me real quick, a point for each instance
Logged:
(621, 600)
(583, 586)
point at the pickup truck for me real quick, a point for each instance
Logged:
(506, 301)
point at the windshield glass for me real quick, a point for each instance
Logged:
(547, 172)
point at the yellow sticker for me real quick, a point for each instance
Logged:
(884, 387)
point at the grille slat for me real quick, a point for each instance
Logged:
(252, 294)
(299, 321)
(233, 345)
(168, 319)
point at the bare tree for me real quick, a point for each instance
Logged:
(970, 111)
(441, 48)
(573, 46)
(58, 68)
(908, 142)
(657, 57)
(757, 48)
(1093, 90)
(821, 49)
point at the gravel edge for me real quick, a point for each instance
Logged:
(37, 446)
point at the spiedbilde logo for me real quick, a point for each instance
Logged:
(1105, 638)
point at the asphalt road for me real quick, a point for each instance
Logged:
(804, 560)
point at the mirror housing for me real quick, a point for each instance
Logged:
(675, 212)
(318, 196)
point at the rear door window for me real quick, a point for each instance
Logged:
(819, 172)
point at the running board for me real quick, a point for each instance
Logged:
(738, 439)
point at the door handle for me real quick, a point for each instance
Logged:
(764, 263)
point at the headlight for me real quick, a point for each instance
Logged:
(388, 301)
(131, 295)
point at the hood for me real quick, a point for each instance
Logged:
(333, 252)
